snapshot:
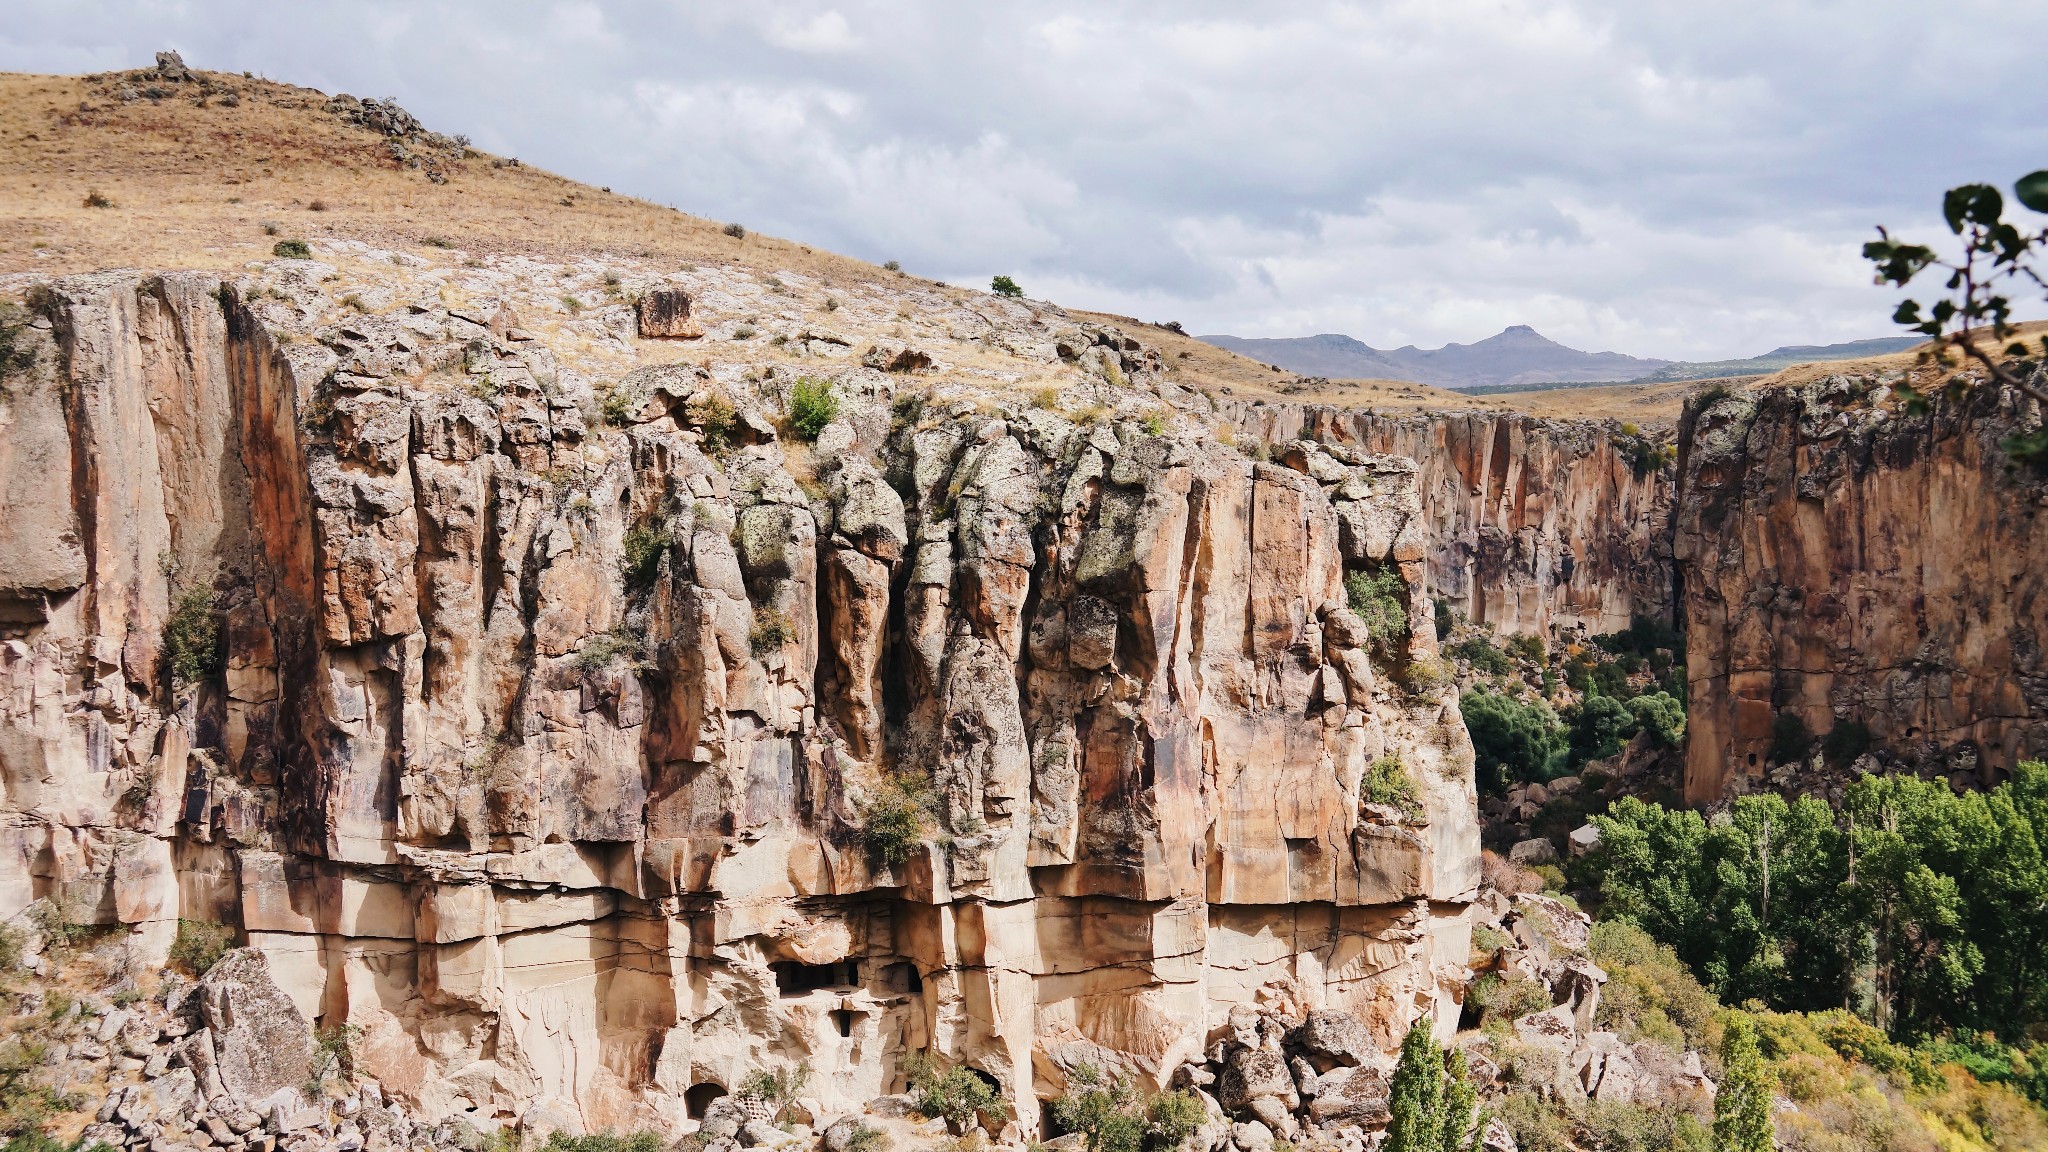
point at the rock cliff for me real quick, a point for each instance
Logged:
(544, 693)
(1846, 561)
(1532, 524)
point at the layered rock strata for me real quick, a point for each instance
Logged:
(554, 731)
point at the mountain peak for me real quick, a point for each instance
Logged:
(1518, 354)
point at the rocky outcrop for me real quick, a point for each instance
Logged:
(588, 746)
(1844, 561)
(1531, 524)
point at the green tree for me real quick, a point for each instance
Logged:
(1005, 287)
(1600, 725)
(1662, 716)
(1742, 1106)
(1511, 740)
(1432, 1101)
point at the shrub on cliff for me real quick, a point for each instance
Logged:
(1116, 1117)
(1432, 1101)
(956, 1095)
(811, 407)
(640, 554)
(292, 250)
(896, 817)
(1388, 783)
(1381, 601)
(191, 640)
(199, 945)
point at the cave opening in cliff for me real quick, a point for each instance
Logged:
(794, 977)
(902, 976)
(845, 1018)
(698, 1098)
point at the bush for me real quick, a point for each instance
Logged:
(779, 1087)
(1650, 994)
(1600, 725)
(955, 1095)
(715, 417)
(896, 817)
(1511, 740)
(1494, 997)
(642, 1141)
(1388, 782)
(1005, 287)
(98, 199)
(600, 651)
(1116, 1117)
(191, 642)
(811, 406)
(1424, 676)
(200, 945)
(1791, 739)
(640, 554)
(866, 1137)
(292, 250)
(1381, 600)
(771, 631)
(1480, 653)
(1661, 716)
(334, 1053)
(735, 230)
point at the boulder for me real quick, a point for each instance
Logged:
(1584, 839)
(1334, 1039)
(1533, 851)
(665, 315)
(1253, 1074)
(260, 1042)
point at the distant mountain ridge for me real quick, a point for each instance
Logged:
(1520, 357)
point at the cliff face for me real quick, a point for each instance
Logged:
(553, 729)
(1532, 523)
(1846, 562)
(1829, 557)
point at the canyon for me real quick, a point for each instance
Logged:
(593, 680)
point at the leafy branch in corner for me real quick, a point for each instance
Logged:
(1976, 314)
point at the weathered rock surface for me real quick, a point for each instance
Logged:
(1846, 562)
(555, 698)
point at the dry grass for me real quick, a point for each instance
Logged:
(197, 181)
(193, 187)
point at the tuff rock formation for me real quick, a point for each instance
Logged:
(562, 702)
(1846, 561)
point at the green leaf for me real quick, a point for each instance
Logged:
(1972, 204)
(2032, 190)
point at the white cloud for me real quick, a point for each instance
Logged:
(825, 32)
(1660, 178)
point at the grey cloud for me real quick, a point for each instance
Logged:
(1662, 178)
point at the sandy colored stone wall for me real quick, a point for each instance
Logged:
(1531, 524)
(553, 706)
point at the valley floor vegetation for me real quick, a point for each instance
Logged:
(1887, 953)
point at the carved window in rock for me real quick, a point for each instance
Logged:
(794, 978)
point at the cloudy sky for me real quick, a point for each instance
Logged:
(1677, 179)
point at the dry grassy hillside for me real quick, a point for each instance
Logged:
(209, 170)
